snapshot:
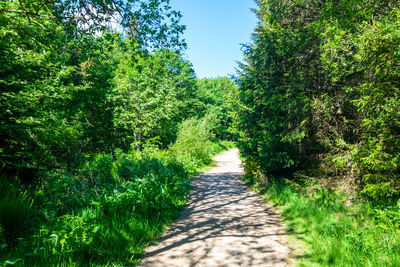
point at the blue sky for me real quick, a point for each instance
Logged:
(215, 30)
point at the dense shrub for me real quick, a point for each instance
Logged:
(104, 212)
(193, 143)
(15, 212)
(84, 109)
(215, 97)
(70, 90)
(318, 92)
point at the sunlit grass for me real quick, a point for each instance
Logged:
(104, 214)
(335, 234)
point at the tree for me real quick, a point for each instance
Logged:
(151, 96)
(215, 98)
(57, 71)
(318, 91)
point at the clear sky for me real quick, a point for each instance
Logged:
(215, 30)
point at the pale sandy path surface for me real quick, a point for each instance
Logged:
(224, 224)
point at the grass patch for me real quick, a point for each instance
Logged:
(334, 233)
(103, 214)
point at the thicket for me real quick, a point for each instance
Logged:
(318, 119)
(319, 94)
(216, 96)
(102, 123)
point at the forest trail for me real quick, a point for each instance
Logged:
(224, 224)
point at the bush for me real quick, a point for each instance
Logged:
(15, 213)
(193, 142)
(107, 210)
(124, 201)
(318, 89)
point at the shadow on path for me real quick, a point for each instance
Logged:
(224, 224)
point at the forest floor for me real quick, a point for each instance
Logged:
(224, 224)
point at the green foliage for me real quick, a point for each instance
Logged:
(60, 79)
(152, 23)
(193, 143)
(105, 212)
(334, 234)
(273, 85)
(379, 153)
(319, 88)
(215, 97)
(84, 110)
(15, 213)
(152, 94)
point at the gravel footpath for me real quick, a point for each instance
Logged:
(224, 224)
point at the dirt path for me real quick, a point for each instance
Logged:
(224, 224)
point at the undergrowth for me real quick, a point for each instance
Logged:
(364, 233)
(103, 213)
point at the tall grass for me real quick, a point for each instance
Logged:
(335, 233)
(104, 213)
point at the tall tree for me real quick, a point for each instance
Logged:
(58, 62)
(318, 87)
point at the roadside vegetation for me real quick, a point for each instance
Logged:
(106, 211)
(328, 230)
(103, 122)
(101, 129)
(318, 120)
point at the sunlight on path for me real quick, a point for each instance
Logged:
(224, 224)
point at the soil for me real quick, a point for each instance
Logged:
(224, 224)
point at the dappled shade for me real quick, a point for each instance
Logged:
(224, 224)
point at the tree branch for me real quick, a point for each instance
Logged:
(35, 14)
